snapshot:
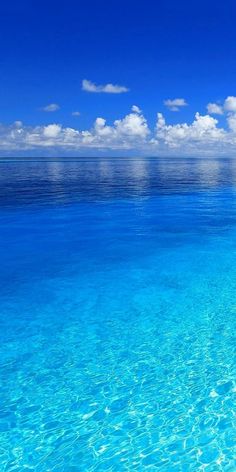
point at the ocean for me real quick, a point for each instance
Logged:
(118, 314)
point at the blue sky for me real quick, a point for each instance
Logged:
(158, 50)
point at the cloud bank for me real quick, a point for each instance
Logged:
(89, 86)
(202, 137)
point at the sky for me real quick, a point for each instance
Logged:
(118, 78)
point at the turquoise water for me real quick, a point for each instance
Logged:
(118, 315)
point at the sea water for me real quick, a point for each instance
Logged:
(118, 314)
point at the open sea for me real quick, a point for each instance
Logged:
(117, 315)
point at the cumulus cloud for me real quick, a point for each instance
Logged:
(127, 133)
(202, 132)
(130, 132)
(231, 119)
(89, 86)
(52, 131)
(18, 124)
(76, 113)
(50, 108)
(203, 136)
(175, 104)
(136, 109)
(230, 104)
(214, 109)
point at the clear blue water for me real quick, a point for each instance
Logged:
(118, 315)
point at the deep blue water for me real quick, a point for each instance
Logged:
(118, 315)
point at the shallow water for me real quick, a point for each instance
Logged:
(118, 315)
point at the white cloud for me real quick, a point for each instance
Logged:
(89, 86)
(126, 133)
(231, 119)
(230, 104)
(130, 132)
(215, 109)
(175, 104)
(76, 113)
(136, 109)
(203, 136)
(201, 133)
(52, 107)
(18, 124)
(52, 131)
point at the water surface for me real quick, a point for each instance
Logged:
(118, 315)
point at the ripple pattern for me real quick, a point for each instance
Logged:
(118, 322)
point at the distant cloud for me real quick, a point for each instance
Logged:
(228, 106)
(175, 104)
(76, 113)
(215, 109)
(52, 131)
(18, 124)
(231, 119)
(203, 136)
(50, 108)
(136, 109)
(203, 131)
(89, 86)
(230, 103)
